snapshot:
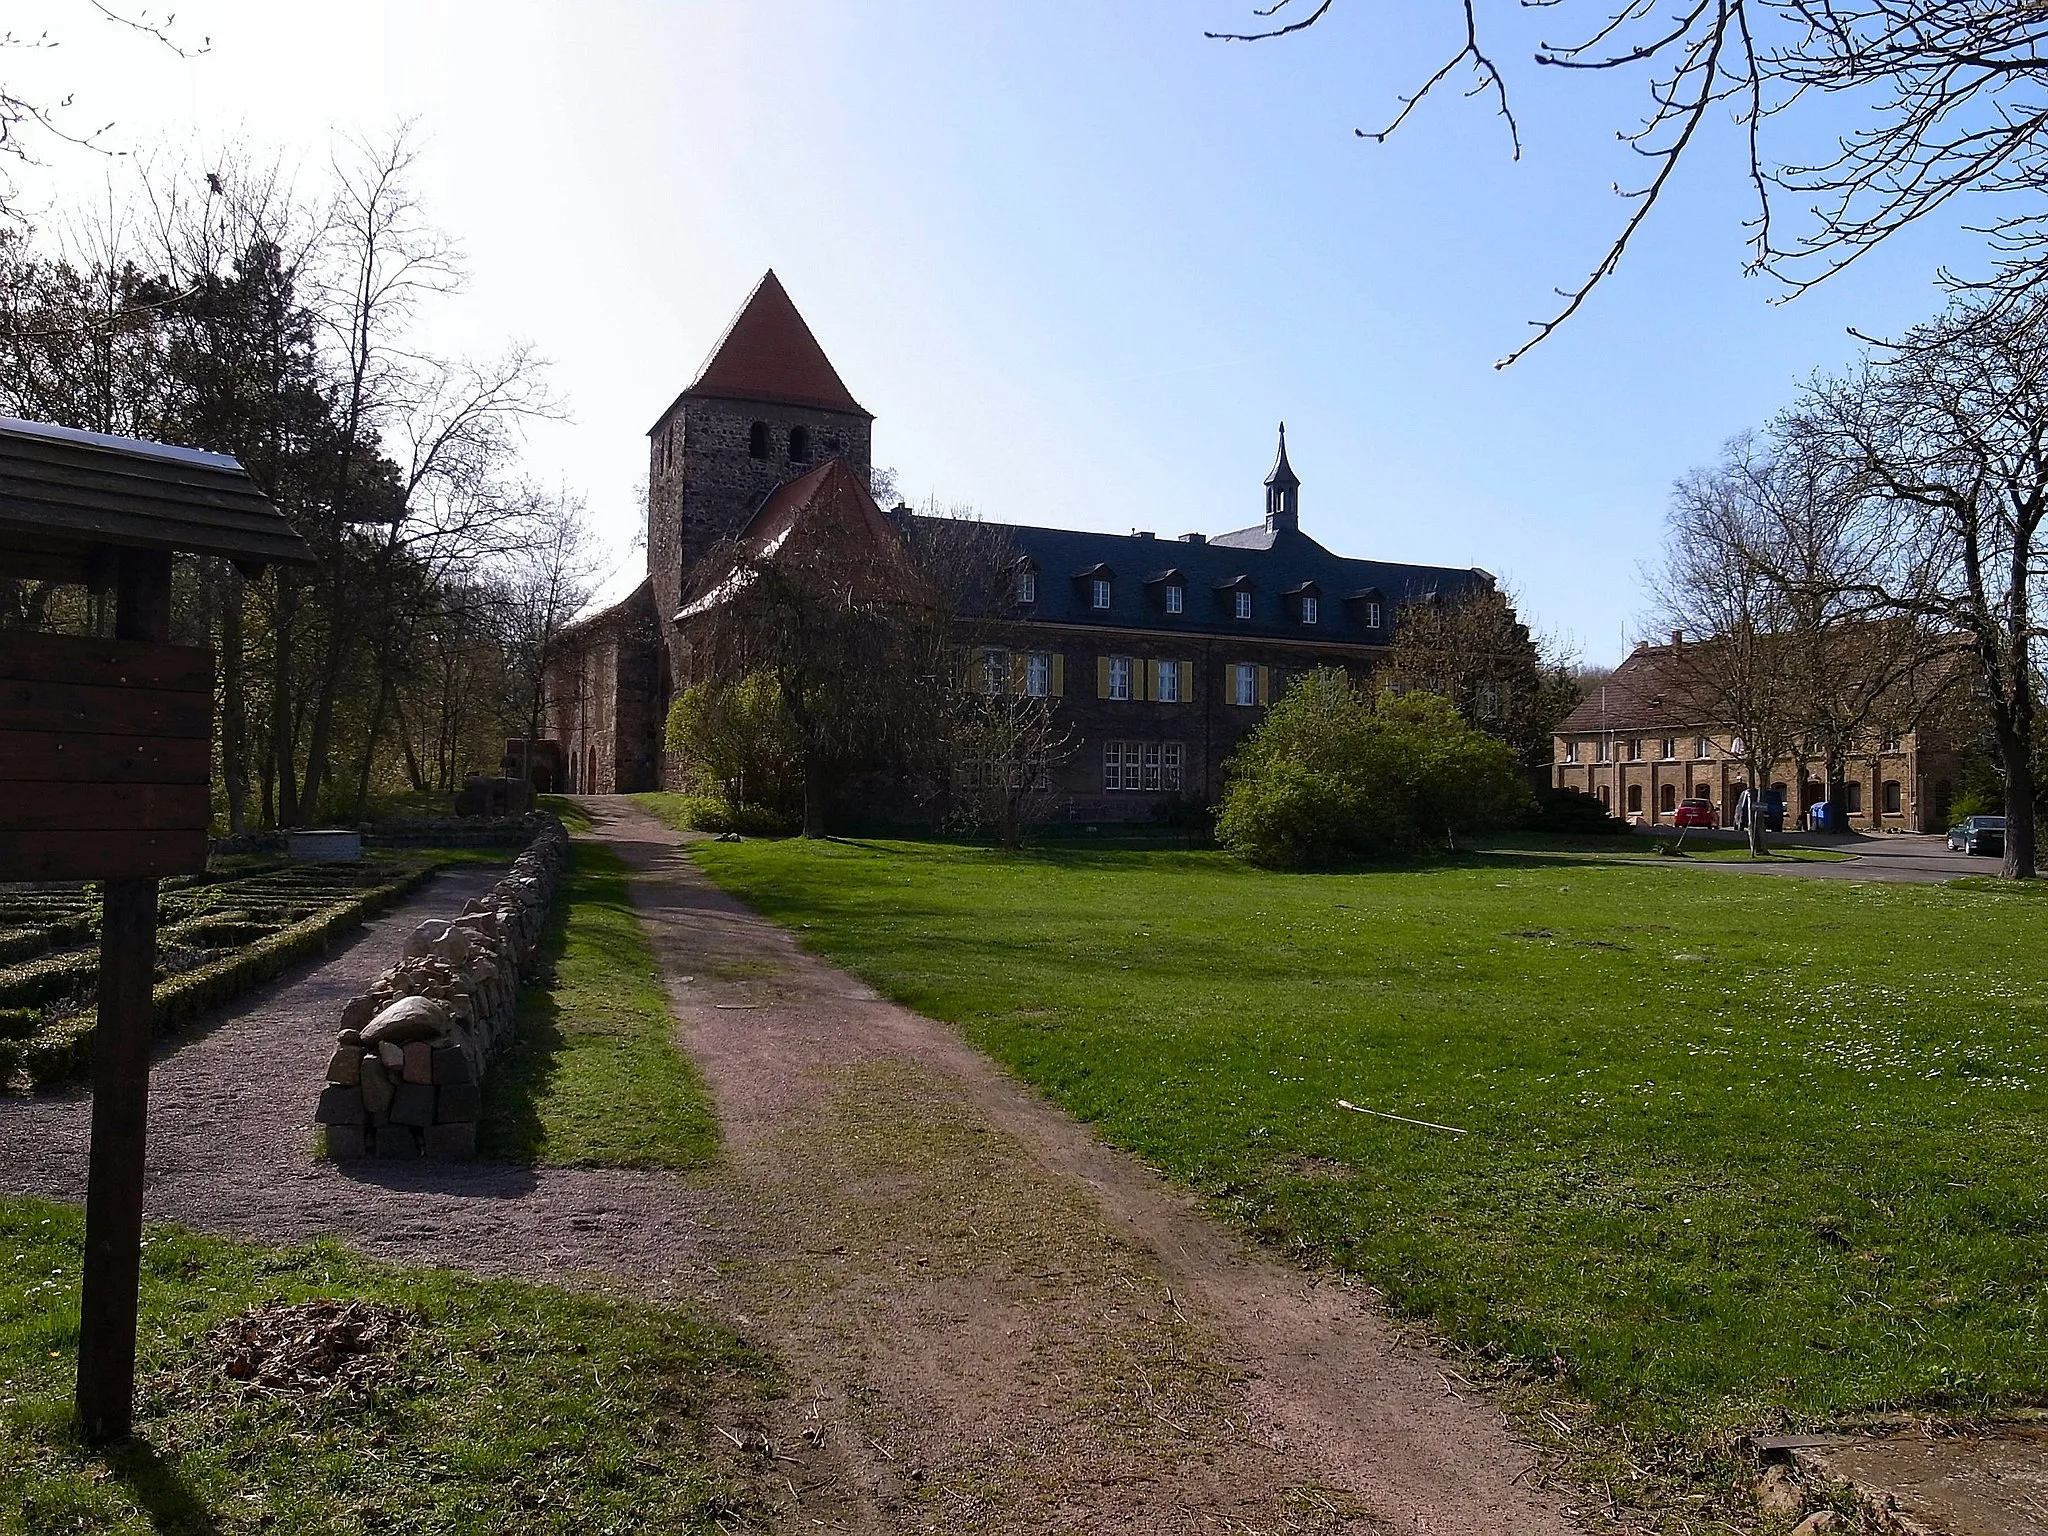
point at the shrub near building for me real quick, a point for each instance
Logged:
(1332, 774)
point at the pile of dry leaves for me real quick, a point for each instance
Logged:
(317, 1348)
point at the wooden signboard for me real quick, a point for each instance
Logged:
(105, 747)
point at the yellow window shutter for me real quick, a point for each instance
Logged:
(1102, 677)
(1265, 677)
(1017, 665)
(1187, 681)
(1152, 681)
(1059, 675)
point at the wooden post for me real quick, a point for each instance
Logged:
(120, 1097)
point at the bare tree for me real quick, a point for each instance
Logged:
(1006, 744)
(1948, 97)
(1740, 672)
(1940, 446)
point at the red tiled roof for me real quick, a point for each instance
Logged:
(1649, 691)
(768, 353)
(829, 507)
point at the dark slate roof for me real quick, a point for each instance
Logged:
(62, 489)
(1652, 690)
(1065, 559)
(768, 353)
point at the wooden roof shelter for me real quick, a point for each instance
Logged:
(70, 500)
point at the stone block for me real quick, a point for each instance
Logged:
(392, 1055)
(400, 1141)
(377, 1086)
(344, 1141)
(418, 1064)
(412, 1104)
(451, 1065)
(449, 1140)
(357, 1012)
(340, 1104)
(461, 1101)
(346, 1065)
(410, 1018)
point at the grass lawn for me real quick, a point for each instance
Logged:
(1740, 1153)
(594, 1075)
(502, 1406)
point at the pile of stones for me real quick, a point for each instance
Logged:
(407, 1075)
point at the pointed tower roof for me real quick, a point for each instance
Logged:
(1283, 472)
(768, 353)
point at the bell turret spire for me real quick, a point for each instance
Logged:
(1283, 492)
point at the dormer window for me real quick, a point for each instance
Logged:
(757, 440)
(1027, 586)
(1176, 597)
(1308, 609)
(800, 443)
(1372, 613)
(1243, 603)
(1098, 592)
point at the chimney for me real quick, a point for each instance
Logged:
(1194, 538)
(1677, 638)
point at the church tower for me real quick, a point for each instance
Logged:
(768, 406)
(1283, 492)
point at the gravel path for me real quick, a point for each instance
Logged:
(231, 1128)
(989, 1321)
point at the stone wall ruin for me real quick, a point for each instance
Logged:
(406, 1078)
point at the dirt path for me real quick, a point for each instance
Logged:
(995, 1323)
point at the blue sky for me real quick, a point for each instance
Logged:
(1077, 259)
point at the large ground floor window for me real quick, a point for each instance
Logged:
(1157, 766)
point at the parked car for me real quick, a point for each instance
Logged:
(1978, 834)
(1694, 813)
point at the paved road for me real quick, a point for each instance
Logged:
(1904, 857)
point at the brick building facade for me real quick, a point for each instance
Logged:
(1161, 652)
(1639, 747)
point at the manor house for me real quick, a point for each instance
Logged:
(1162, 652)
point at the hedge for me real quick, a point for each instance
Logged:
(64, 1049)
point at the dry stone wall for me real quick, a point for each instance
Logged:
(406, 1078)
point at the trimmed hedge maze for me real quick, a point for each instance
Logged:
(218, 934)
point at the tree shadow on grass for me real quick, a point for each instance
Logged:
(155, 1484)
(518, 1082)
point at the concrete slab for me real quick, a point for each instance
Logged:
(1944, 1485)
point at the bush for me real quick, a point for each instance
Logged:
(1331, 775)
(1571, 810)
(711, 813)
(735, 743)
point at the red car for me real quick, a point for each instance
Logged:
(1694, 813)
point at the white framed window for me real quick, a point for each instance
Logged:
(1098, 592)
(1244, 682)
(995, 667)
(1244, 604)
(1119, 677)
(1112, 766)
(1169, 682)
(1670, 748)
(1635, 751)
(1176, 597)
(1372, 614)
(1027, 587)
(1038, 674)
(1308, 609)
(1606, 749)
(1151, 777)
(1171, 756)
(1571, 751)
(1894, 741)
(1702, 748)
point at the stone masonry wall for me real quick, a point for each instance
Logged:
(406, 1078)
